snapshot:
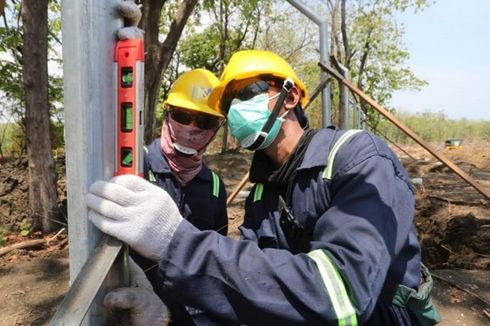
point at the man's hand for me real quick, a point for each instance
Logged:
(132, 15)
(145, 307)
(135, 211)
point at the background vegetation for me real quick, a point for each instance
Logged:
(185, 34)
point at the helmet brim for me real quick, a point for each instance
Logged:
(189, 105)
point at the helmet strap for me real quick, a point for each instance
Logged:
(287, 86)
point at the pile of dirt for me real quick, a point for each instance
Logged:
(452, 218)
(452, 221)
(14, 194)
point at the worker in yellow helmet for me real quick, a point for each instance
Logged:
(257, 129)
(328, 235)
(190, 124)
(174, 163)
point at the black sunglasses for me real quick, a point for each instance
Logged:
(246, 93)
(203, 121)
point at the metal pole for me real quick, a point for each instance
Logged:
(305, 10)
(88, 30)
(344, 98)
(324, 59)
(357, 115)
(83, 290)
(363, 119)
(323, 27)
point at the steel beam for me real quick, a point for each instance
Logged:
(88, 33)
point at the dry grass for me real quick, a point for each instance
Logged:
(473, 152)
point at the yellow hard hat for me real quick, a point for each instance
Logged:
(191, 90)
(254, 63)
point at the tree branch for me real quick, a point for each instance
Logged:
(168, 46)
(30, 243)
(364, 57)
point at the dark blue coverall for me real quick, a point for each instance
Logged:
(202, 202)
(362, 246)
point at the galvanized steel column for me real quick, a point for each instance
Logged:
(88, 33)
(323, 26)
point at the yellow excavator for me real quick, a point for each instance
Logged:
(453, 143)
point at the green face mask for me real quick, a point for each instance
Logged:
(247, 118)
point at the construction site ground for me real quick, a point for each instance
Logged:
(452, 219)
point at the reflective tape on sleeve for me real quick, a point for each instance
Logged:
(334, 284)
(327, 173)
(259, 189)
(151, 176)
(215, 185)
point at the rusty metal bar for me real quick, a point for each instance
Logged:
(391, 141)
(239, 187)
(407, 130)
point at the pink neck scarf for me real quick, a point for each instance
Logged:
(184, 167)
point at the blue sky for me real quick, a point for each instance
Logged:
(449, 45)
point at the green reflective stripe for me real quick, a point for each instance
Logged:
(259, 189)
(215, 185)
(346, 315)
(327, 173)
(151, 176)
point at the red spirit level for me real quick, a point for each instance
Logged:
(129, 60)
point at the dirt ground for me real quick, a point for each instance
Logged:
(452, 219)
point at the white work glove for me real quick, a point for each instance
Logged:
(136, 212)
(131, 13)
(145, 307)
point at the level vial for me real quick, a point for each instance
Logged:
(127, 157)
(127, 77)
(126, 117)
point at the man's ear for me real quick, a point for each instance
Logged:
(292, 99)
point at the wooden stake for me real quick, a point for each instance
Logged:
(237, 189)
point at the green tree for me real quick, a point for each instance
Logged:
(156, 14)
(11, 87)
(11, 60)
(43, 194)
(367, 40)
(287, 32)
(436, 127)
(233, 25)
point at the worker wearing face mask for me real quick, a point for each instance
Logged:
(174, 162)
(328, 235)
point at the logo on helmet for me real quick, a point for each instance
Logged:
(200, 93)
